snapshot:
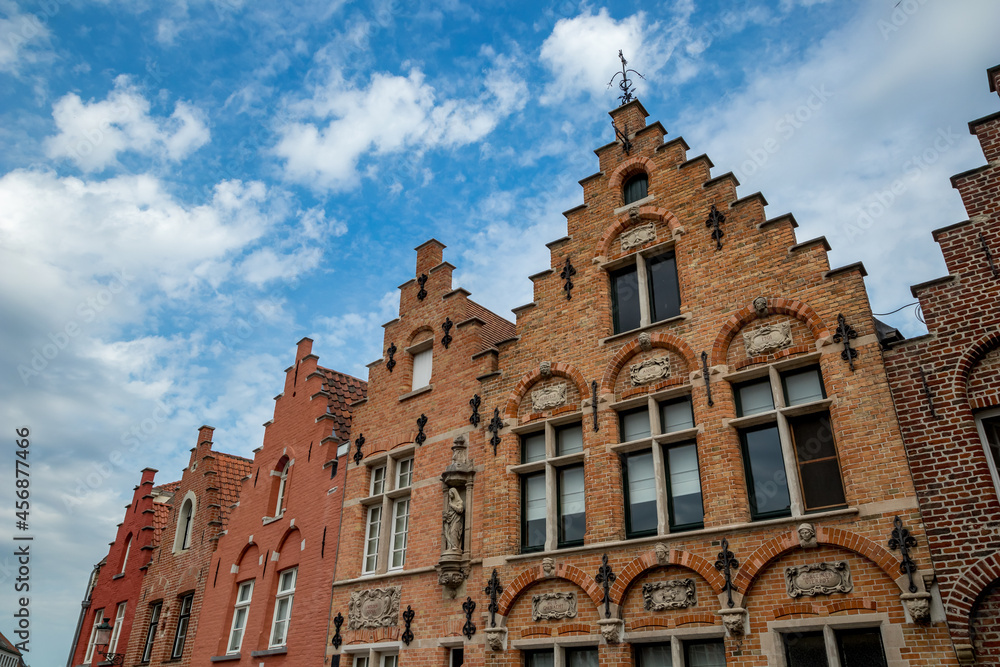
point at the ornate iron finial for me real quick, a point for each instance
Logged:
(391, 351)
(845, 334)
(422, 280)
(494, 427)
(594, 401)
(359, 443)
(469, 628)
(338, 621)
(626, 83)
(447, 325)
(725, 564)
(408, 615)
(606, 577)
(567, 274)
(715, 220)
(705, 372)
(475, 402)
(493, 589)
(903, 541)
(421, 436)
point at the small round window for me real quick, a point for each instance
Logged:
(636, 188)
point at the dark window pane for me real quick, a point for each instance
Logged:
(665, 296)
(636, 188)
(654, 655)
(861, 648)
(765, 472)
(581, 657)
(813, 437)
(533, 447)
(821, 485)
(625, 299)
(457, 657)
(803, 386)
(707, 653)
(533, 508)
(805, 649)
(569, 439)
(572, 506)
(754, 397)
(539, 659)
(641, 494)
(819, 471)
(635, 425)
(684, 483)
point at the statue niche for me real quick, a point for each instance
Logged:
(456, 485)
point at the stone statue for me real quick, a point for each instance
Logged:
(454, 522)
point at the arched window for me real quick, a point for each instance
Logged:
(279, 505)
(128, 547)
(635, 188)
(185, 521)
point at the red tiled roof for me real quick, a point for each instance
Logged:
(496, 328)
(231, 470)
(344, 390)
(161, 512)
(169, 487)
(6, 645)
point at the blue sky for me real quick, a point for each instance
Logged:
(186, 189)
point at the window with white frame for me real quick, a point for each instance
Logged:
(423, 358)
(117, 630)
(831, 647)
(128, 548)
(182, 536)
(988, 423)
(279, 505)
(283, 606)
(644, 289)
(154, 621)
(98, 617)
(240, 612)
(387, 514)
(553, 494)
(661, 476)
(183, 620)
(783, 421)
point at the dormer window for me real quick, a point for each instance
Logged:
(635, 188)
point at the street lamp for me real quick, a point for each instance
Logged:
(103, 638)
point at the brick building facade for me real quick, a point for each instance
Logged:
(946, 385)
(169, 607)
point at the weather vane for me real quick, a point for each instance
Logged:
(626, 83)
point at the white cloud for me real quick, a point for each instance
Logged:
(19, 34)
(391, 114)
(93, 134)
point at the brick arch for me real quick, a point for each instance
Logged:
(625, 220)
(247, 548)
(535, 574)
(967, 363)
(968, 590)
(747, 314)
(418, 334)
(632, 348)
(648, 561)
(531, 377)
(754, 564)
(630, 167)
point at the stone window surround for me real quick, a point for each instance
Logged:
(652, 401)
(779, 416)
(675, 638)
(990, 413)
(373, 652)
(558, 646)
(638, 258)
(386, 499)
(773, 646)
(550, 465)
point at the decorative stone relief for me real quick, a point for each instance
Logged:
(767, 338)
(735, 620)
(760, 305)
(495, 638)
(456, 485)
(645, 341)
(548, 397)
(548, 566)
(636, 236)
(611, 629)
(662, 553)
(807, 536)
(649, 370)
(663, 595)
(919, 606)
(454, 522)
(545, 368)
(818, 579)
(553, 606)
(373, 608)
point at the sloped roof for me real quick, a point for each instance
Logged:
(169, 487)
(6, 645)
(161, 513)
(343, 389)
(231, 470)
(496, 328)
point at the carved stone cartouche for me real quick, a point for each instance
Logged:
(549, 397)
(767, 338)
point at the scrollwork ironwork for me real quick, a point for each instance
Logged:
(625, 85)
(391, 351)
(475, 402)
(421, 436)
(493, 589)
(447, 325)
(567, 274)
(359, 442)
(338, 621)
(469, 628)
(845, 334)
(606, 577)
(494, 427)
(901, 540)
(714, 222)
(725, 564)
(408, 615)
(422, 280)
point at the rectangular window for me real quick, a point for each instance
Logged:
(569, 439)
(676, 415)
(400, 526)
(802, 386)
(816, 453)
(154, 621)
(533, 447)
(641, 494)
(240, 611)
(539, 658)
(862, 647)
(283, 607)
(684, 487)
(456, 657)
(388, 660)
(378, 481)
(422, 362)
(116, 632)
(765, 472)
(625, 299)
(180, 636)
(805, 649)
(404, 473)
(372, 531)
(98, 617)
(664, 293)
(754, 397)
(533, 508)
(572, 506)
(361, 661)
(634, 424)
(581, 657)
(705, 653)
(654, 655)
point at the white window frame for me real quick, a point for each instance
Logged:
(181, 616)
(279, 506)
(117, 630)
(284, 593)
(237, 608)
(185, 522)
(155, 609)
(388, 496)
(992, 413)
(373, 655)
(128, 548)
(397, 544)
(98, 617)
(424, 350)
